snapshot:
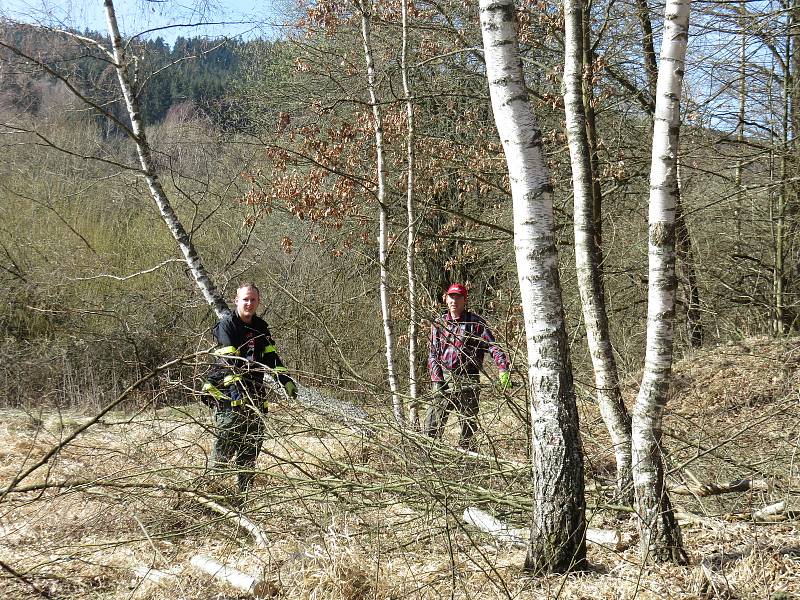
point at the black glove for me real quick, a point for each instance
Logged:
(439, 387)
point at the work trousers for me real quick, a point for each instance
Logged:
(460, 392)
(238, 435)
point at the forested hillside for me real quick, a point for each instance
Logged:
(197, 71)
(353, 167)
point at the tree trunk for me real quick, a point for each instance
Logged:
(184, 241)
(413, 416)
(558, 525)
(383, 235)
(591, 134)
(588, 254)
(684, 241)
(737, 211)
(660, 536)
(648, 48)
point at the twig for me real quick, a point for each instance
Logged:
(8, 569)
(61, 445)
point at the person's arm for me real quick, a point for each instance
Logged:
(434, 366)
(270, 358)
(226, 370)
(499, 357)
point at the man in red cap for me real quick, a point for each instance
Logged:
(459, 340)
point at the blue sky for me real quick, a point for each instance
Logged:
(234, 18)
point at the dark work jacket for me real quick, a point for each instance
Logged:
(251, 341)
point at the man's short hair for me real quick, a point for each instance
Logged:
(248, 284)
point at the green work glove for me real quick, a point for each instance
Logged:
(291, 389)
(504, 381)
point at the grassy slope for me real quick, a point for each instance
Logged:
(356, 518)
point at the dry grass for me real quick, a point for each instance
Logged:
(351, 518)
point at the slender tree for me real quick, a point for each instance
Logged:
(558, 521)
(588, 253)
(150, 172)
(365, 7)
(660, 534)
(684, 242)
(413, 416)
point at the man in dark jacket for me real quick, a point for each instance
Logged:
(247, 352)
(459, 341)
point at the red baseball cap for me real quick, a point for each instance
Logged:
(457, 288)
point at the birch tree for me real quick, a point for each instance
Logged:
(413, 416)
(694, 327)
(660, 536)
(365, 7)
(150, 173)
(588, 253)
(558, 521)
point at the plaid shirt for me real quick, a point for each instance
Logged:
(458, 345)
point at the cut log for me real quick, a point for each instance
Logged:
(771, 513)
(234, 517)
(519, 536)
(487, 523)
(243, 582)
(701, 490)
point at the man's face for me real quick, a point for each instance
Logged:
(456, 304)
(246, 303)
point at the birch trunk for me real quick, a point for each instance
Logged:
(660, 536)
(588, 254)
(383, 236)
(182, 238)
(342, 411)
(413, 410)
(694, 326)
(558, 524)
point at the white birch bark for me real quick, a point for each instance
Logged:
(252, 586)
(558, 518)
(365, 6)
(181, 236)
(660, 536)
(588, 254)
(413, 409)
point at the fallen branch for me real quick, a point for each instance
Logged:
(702, 490)
(519, 537)
(94, 420)
(248, 584)
(684, 516)
(16, 575)
(487, 523)
(238, 519)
